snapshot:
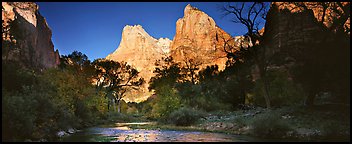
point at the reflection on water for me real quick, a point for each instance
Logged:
(168, 136)
(121, 132)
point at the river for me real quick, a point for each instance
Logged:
(122, 132)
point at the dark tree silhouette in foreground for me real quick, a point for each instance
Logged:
(250, 15)
(190, 69)
(166, 72)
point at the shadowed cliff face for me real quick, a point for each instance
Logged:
(31, 44)
(291, 26)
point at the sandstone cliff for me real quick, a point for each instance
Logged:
(333, 10)
(31, 44)
(199, 38)
(292, 27)
(140, 50)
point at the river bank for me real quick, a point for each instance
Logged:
(294, 123)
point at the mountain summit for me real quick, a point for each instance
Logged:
(197, 37)
(140, 50)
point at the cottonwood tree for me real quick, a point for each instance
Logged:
(166, 72)
(191, 66)
(116, 78)
(251, 15)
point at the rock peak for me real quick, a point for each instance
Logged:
(188, 9)
(140, 50)
(189, 6)
(132, 27)
(130, 31)
(198, 37)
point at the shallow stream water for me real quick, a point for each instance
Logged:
(122, 132)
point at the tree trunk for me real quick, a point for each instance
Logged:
(242, 90)
(309, 101)
(108, 104)
(243, 97)
(262, 72)
(114, 103)
(119, 106)
(266, 94)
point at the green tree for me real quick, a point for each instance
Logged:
(167, 101)
(167, 72)
(116, 78)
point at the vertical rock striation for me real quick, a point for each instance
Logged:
(199, 38)
(32, 45)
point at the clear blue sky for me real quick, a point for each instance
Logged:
(95, 28)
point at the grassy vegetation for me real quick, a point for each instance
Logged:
(185, 116)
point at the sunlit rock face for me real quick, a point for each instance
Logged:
(198, 37)
(140, 50)
(317, 10)
(33, 35)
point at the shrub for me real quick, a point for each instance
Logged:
(185, 116)
(241, 121)
(269, 125)
(206, 96)
(167, 101)
(120, 117)
(17, 116)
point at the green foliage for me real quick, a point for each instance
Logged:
(167, 101)
(269, 125)
(132, 109)
(185, 116)
(115, 78)
(206, 96)
(167, 73)
(18, 116)
(282, 90)
(14, 77)
(44, 103)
